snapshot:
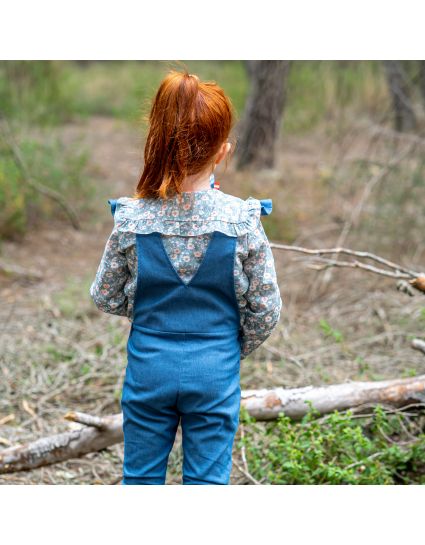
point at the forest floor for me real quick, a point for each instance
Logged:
(60, 353)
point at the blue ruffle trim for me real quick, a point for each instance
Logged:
(266, 206)
(113, 203)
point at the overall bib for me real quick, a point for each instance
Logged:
(183, 365)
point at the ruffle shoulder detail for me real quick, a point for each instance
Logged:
(212, 211)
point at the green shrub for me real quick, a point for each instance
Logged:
(336, 449)
(52, 164)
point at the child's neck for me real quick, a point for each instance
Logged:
(196, 182)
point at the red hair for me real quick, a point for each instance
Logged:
(188, 123)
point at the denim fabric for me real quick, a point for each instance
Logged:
(183, 366)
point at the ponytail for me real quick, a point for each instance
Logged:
(188, 122)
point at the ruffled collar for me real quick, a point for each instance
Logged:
(195, 213)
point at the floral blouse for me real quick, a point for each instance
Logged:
(186, 227)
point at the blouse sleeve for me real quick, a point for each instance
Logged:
(263, 297)
(107, 289)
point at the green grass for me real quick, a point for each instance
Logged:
(125, 89)
(323, 90)
(53, 92)
(57, 91)
(316, 89)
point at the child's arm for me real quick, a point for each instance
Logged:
(264, 302)
(107, 290)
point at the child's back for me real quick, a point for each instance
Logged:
(195, 275)
(186, 228)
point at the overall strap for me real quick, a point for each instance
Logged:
(164, 302)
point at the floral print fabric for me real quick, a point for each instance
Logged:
(186, 223)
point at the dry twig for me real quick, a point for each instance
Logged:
(416, 279)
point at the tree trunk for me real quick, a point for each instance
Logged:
(260, 126)
(422, 80)
(97, 433)
(404, 115)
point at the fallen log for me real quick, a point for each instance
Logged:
(63, 446)
(418, 344)
(97, 433)
(268, 404)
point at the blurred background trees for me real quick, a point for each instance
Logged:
(262, 117)
(272, 99)
(400, 90)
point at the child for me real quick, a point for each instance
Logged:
(192, 269)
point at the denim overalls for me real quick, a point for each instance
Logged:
(183, 365)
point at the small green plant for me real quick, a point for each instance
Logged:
(329, 331)
(409, 372)
(363, 366)
(336, 449)
(59, 354)
(85, 368)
